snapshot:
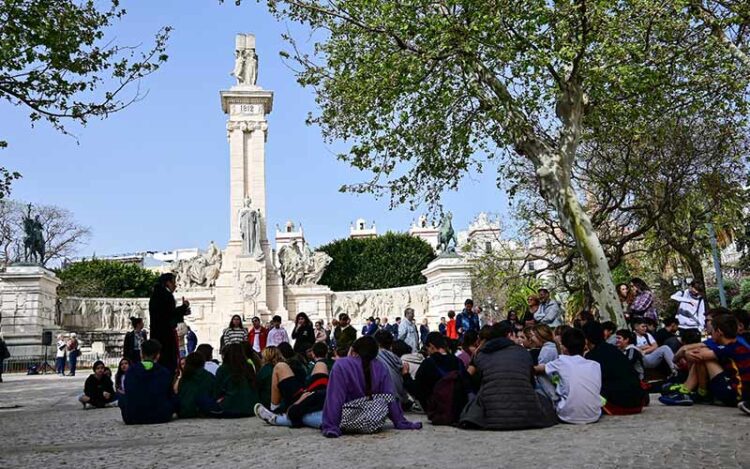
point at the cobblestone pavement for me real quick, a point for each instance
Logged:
(49, 429)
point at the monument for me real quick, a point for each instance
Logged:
(28, 294)
(243, 279)
(248, 277)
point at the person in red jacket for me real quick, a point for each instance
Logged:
(257, 335)
(450, 330)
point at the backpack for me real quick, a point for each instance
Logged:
(448, 397)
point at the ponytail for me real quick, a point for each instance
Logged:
(367, 350)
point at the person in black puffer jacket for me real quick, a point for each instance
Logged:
(506, 399)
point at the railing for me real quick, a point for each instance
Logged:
(21, 364)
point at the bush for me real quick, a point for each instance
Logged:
(388, 261)
(731, 289)
(107, 279)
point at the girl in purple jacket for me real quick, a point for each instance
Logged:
(356, 376)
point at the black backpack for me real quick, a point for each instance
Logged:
(448, 397)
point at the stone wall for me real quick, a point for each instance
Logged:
(383, 303)
(102, 314)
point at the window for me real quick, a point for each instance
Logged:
(487, 247)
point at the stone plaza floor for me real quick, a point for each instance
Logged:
(43, 426)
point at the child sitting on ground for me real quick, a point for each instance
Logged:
(625, 339)
(579, 381)
(98, 390)
(719, 366)
(196, 388)
(148, 396)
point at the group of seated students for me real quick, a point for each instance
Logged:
(496, 379)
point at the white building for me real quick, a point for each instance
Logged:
(359, 229)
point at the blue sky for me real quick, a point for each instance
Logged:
(155, 176)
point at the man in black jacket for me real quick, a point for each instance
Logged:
(164, 316)
(621, 386)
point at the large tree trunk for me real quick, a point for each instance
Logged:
(578, 223)
(696, 267)
(554, 169)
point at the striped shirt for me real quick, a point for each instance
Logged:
(233, 335)
(735, 359)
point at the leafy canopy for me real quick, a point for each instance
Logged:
(387, 261)
(428, 91)
(106, 279)
(56, 62)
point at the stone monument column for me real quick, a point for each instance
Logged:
(247, 106)
(248, 284)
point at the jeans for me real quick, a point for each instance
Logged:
(663, 353)
(312, 420)
(60, 365)
(73, 359)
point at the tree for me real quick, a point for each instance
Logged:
(426, 91)
(63, 236)
(106, 279)
(653, 194)
(729, 23)
(55, 61)
(388, 261)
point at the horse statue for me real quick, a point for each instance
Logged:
(33, 241)
(446, 234)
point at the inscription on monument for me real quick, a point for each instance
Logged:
(247, 109)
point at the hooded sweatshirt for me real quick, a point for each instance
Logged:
(148, 394)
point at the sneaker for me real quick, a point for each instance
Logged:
(676, 399)
(264, 414)
(670, 388)
(744, 406)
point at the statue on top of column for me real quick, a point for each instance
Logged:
(245, 60)
(249, 220)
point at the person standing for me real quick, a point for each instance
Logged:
(303, 333)
(257, 336)
(549, 312)
(60, 353)
(4, 353)
(407, 330)
(451, 331)
(643, 302)
(191, 340)
(320, 333)
(467, 320)
(691, 312)
(424, 329)
(74, 349)
(277, 334)
(133, 340)
(344, 334)
(235, 333)
(164, 315)
(442, 327)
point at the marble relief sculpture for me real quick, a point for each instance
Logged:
(300, 265)
(199, 271)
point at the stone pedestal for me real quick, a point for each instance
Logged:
(314, 300)
(448, 285)
(28, 296)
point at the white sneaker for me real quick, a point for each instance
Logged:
(264, 414)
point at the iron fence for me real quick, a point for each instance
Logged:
(21, 364)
